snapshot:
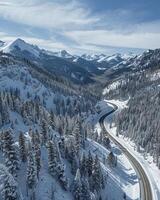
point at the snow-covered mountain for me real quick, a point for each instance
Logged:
(148, 59)
(92, 57)
(63, 54)
(20, 45)
(79, 69)
(1, 43)
(61, 62)
(55, 62)
(23, 46)
(101, 63)
(108, 59)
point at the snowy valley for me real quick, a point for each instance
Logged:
(52, 146)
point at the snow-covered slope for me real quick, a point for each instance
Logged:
(31, 102)
(108, 59)
(59, 63)
(63, 54)
(93, 63)
(21, 45)
(51, 116)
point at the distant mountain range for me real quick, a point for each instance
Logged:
(79, 69)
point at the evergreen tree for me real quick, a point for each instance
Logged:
(73, 159)
(52, 158)
(22, 147)
(77, 133)
(77, 186)
(62, 147)
(89, 164)
(44, 131)
(52, 119)
(97, 176)
(85, 190)
(83, 165)
(9, 187)
(11, 159)
(31, 174)
(61, 176)
(112, 159)
(37, 152)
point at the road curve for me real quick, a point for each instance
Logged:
(145, 187)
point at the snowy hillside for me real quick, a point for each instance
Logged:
(140, 86)
(48, 139)
(33, 116)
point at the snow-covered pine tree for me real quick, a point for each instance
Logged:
(22, 147)
(77, 133)
(73, 159)
(31, 175)
(44, 131)
(9, 188)
(112, 160)
(61, 176)
(9, 150)
(77, 186)
(89, 164)
(62, 146)
(97, 176)
(37, 151)
(86, 194)
(52, 118)
(35, 145)
(83, 165)
(52, 158)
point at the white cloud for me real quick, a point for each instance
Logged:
(75, 22)
(136, 39)
(46, 14)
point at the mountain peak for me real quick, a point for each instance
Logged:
(22, 46)
(62, 54)
(1, 43)
(18, 41)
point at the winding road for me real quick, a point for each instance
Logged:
(145, 187)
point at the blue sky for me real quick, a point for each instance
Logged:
(80, 26)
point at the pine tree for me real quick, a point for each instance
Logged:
(37, 152)
(52, 158)
(112, 160)
(85, 189)
(77, 186)
(44, 132)
(62, 147)
(97, 176)
(61, 176)
(31, 174)
(89, 164)
(9, 187)
(73, 159)
(11, 159)
(83, 165)
(78, 136)
(22, 147)
(52, 119)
